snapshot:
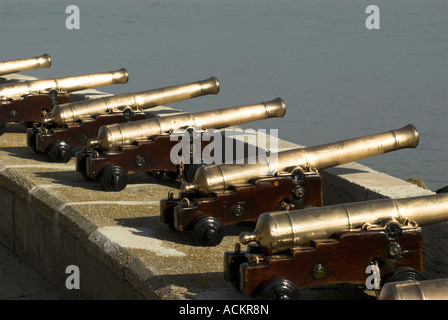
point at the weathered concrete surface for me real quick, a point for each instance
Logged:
(19, 281)
(53, 218)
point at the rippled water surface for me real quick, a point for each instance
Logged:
(338, 79)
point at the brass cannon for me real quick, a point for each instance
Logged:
(223, 194)
(19, 65)
(29, 101)
(70, 125)
(435, 289)
(364, 243)
(145, 145)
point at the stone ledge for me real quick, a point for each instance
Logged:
(53, 218)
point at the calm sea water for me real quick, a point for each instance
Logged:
(338, 79)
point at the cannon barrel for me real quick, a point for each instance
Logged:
(75, 111)
(68, 84)
(219, 177)
(19, 65)
(436, 289)
(279, 231)
(111, 137)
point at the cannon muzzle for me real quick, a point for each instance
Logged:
(434, 289)
(279, 231)
(75, 111)
(68, 84)
(219, 177)
(112, 137)
(14, 66)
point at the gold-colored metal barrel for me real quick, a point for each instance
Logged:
(278, 231)
(415, 290)
(112, 137)
(67, 84)
(219, 177)
(75, 111)
(19, 65)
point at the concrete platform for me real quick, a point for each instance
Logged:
(53, 218)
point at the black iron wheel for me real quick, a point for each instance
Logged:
(279, 289)
(128, 113)
(60, 151)
(207, 232)
(113, 178)
(404, 274)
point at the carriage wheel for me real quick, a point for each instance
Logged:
(279, 289)
(60, 151)
(207, 231)
(113, 178)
